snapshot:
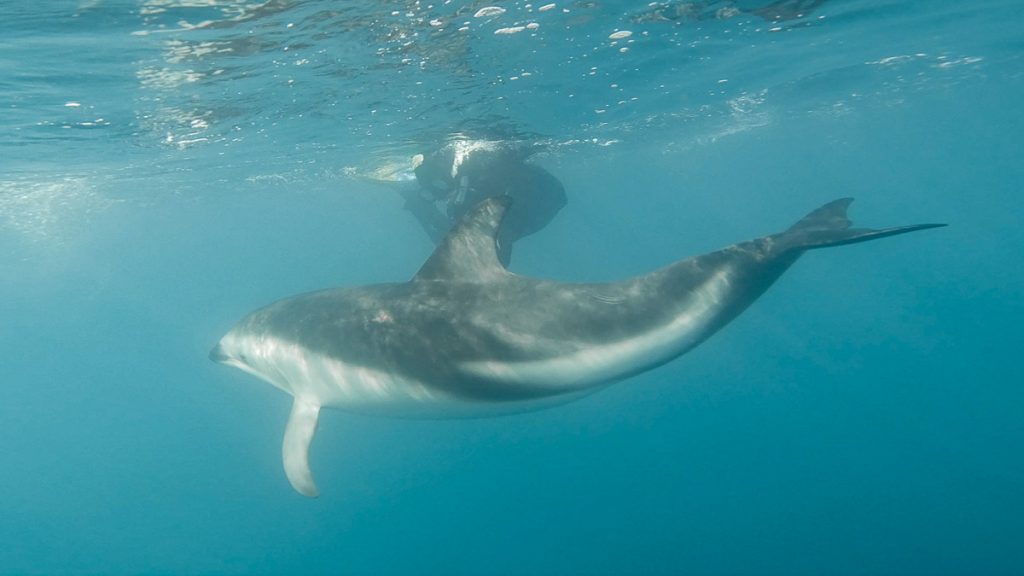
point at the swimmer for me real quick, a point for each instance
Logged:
(461, 174)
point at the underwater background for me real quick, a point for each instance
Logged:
(167, 166)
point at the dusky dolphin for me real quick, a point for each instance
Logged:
(466, 337)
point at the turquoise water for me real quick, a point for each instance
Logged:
(167, 166)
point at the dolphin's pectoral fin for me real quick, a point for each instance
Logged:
(295, 451)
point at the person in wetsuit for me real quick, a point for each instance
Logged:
(456, 177)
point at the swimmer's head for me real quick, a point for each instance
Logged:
(432, 174)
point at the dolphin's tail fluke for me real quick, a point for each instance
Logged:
(829, 226)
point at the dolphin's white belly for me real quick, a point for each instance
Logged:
(606, 362)
(332, 383)
(341, 385)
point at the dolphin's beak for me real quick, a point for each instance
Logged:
(218, 355)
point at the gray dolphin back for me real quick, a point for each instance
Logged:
(829, 226)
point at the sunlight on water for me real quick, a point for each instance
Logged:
(46, 212)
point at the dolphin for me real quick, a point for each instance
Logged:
(466, 337)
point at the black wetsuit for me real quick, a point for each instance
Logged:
(537, 195)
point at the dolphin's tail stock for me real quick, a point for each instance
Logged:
(829, 226)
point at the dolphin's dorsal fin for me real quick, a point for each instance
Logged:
(295, 449)
(469, 251)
